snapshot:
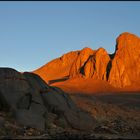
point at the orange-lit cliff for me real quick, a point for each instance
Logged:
(90, 71)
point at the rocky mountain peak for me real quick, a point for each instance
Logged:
(126, 40)
(120, 69)
(125, 68)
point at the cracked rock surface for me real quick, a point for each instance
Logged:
(32, 102)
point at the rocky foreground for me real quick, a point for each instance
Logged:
(29, 108)
(30, 102)
(105, 129)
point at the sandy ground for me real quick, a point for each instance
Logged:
(91, 86)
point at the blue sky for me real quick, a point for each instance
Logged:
(33, 33)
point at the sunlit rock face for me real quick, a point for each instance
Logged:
(125, 67)
(120, 69)
(57, 68)
(77, 69)
(91, 64)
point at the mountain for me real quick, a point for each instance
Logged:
(120, 70)
(31, 109)
(58, 68)
(42, 108)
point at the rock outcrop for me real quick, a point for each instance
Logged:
(77, 67)
(123, 69)
(91, 64)
(119, 69)
(31, 101)
(125, 66)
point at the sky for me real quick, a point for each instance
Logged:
(32, 33)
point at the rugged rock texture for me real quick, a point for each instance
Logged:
(125, 68)
(91, 64)
(32, 102)
(120, 69)
(78, 65)
(11, 82)
(86, 63)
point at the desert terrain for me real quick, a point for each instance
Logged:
(82, 94)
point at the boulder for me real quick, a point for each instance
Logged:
(31, 101)
(61, 104)
(29, 118)
(18, 94)
(13, 87)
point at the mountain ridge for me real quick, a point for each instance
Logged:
(119, 69)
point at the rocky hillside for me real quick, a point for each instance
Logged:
(58, 68)
(120, 69)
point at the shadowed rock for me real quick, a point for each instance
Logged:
(30, 100)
